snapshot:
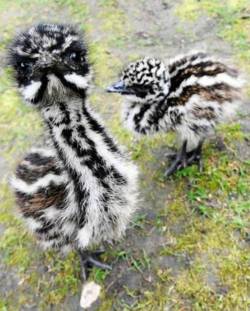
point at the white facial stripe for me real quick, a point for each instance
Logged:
(29, 92)
(54, 83)
(80, 81)
(20, 52)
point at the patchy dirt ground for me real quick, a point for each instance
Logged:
(188, 247)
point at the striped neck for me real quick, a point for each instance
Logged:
(86, 151)
(73, 125)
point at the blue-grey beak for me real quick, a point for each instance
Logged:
(118, 87)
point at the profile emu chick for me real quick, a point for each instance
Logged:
(190, 96)
(80, 190)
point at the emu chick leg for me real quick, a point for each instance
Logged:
(184, 158)
(89, 260)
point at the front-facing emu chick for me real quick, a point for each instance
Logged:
(80, 190)
(190, 96)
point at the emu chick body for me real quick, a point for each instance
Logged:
(80, 190)
(190, 96)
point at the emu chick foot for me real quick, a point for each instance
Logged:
(183, 159)
(89, 260)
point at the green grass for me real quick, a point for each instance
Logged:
(17, 121)
(233, 23)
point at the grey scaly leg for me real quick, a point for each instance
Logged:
(180, 160)
(184, 158)
(89, 260)
(195, 156)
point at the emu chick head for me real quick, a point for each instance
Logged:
(143, 81)
(49, 60)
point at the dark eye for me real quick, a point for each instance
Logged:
(25, 64)
(76, 56)
(73, 56)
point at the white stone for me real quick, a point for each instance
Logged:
(90, 293)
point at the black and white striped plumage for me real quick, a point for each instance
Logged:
(190, 96)
(79, 190)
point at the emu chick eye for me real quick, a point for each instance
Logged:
(25, 64)
(73, 56)
(76, 56)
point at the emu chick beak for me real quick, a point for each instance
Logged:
(118, 87)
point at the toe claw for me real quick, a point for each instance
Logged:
(88, 261)
(184, 159)
(98, 264)
(169, 171)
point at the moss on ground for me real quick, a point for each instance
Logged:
(233, 23)
(204, 219)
